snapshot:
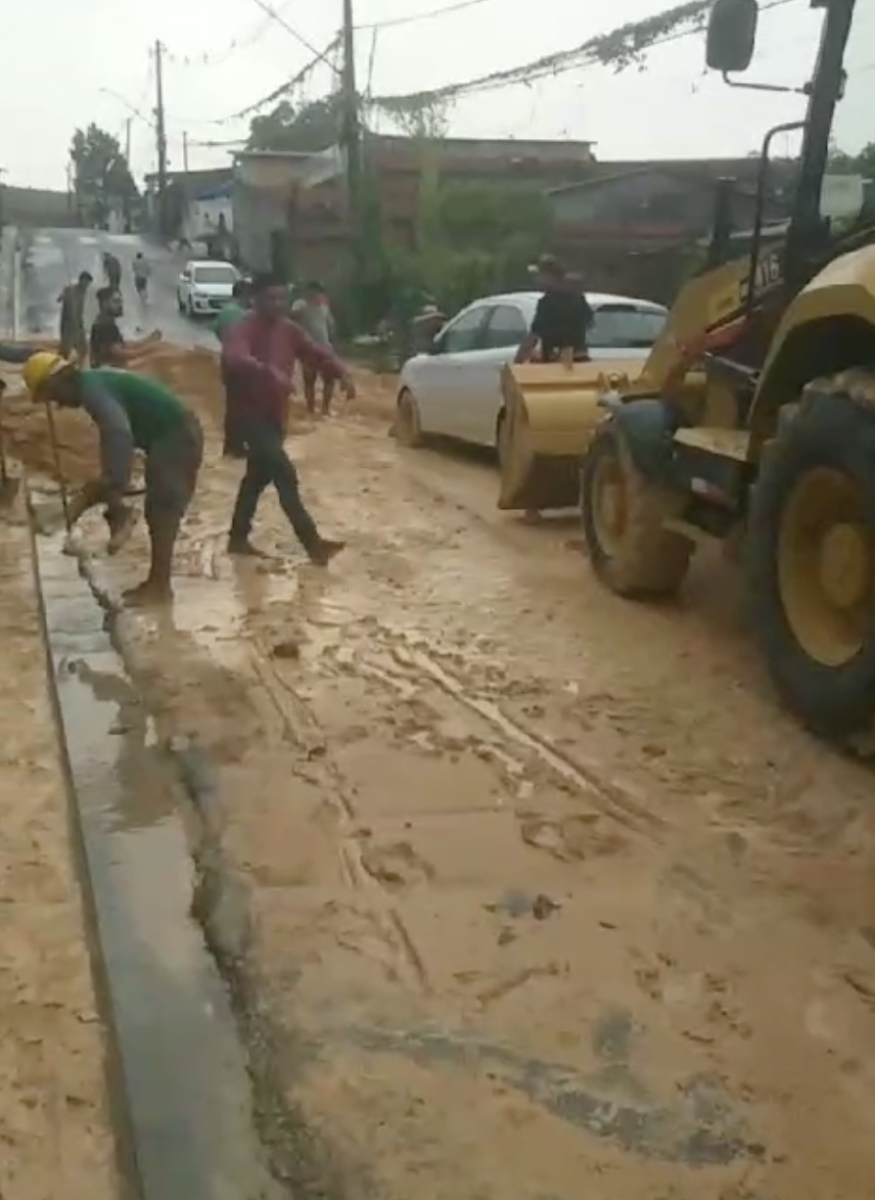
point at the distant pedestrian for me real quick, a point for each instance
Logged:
(73, 339)
(142, 275)
(112, 270)
(259, 354)
(236, 310)
(313, 314)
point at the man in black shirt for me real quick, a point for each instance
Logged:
(562, 317)
(108, 346)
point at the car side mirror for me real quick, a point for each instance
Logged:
(732, 31)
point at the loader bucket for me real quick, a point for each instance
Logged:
(551, 412)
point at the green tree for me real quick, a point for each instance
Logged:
(308, 127)
(101, 174)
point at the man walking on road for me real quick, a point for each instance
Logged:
(259, 355)
(72, 301)
(241, 296)
(313, 314)
(112, 269)
(131, 413)
(142, 274)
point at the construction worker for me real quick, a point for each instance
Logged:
(107, 346)
(259, 355)
(231, 313)
(313, 313)
(131, 412)
(72, 301)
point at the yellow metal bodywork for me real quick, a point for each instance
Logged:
(844, 289)
(551, 409)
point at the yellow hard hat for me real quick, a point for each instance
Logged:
(40, 367)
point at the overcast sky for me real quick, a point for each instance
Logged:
(670, 109)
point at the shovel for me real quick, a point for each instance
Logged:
(8, 486)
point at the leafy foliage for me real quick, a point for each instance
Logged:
(307, 127)
(100, 170)
(841, 163)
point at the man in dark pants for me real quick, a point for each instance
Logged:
(73, 338)
(259, 354)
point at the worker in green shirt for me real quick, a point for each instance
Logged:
(131, 412)
(236, 310)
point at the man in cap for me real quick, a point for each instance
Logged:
(131, 413)
(562, 318)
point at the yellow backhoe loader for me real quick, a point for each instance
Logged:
(754, 416)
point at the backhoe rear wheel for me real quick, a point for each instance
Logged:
(811, 557)
(622, 513)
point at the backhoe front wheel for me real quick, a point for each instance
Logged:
(622, 513)
(811, 558)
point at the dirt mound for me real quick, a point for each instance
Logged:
(26, 432)
(193, 374)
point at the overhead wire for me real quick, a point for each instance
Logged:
(429, 15)
(690, 15)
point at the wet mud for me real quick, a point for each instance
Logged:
(530, 893)
(181, 1099)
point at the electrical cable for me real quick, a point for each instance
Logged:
(588, 53)
(428, 15)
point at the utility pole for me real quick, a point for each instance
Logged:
(161, 139)
(185, 152)
(352, 138)
(128, 141)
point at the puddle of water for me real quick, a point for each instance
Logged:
(184, 1076)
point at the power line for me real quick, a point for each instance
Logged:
(620, 47)
(428, 15)
(290, 29)
(221, 56)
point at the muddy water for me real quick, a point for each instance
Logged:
(184, 1076)
(548, 897)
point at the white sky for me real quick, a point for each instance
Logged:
(670, 109)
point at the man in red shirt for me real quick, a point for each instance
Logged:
(259, 356)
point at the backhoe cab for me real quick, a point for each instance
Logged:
(754, 418)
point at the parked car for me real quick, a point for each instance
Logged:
(204, 286)
(455, 388)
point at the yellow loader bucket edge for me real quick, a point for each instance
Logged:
(551, 412)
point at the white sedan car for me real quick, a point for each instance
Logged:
(455, 389)
(204, 286)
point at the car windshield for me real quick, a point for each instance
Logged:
(219, 273)
(623, 326)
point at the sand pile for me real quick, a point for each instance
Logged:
(26, 432)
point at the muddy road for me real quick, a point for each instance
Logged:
(538, 894)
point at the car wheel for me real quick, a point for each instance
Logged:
(408, 427)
